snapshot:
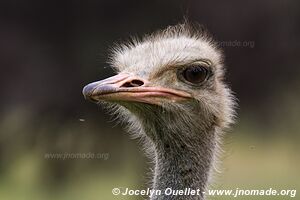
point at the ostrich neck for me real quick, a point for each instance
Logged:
(183, 159)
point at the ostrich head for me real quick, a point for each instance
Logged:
(169, 88)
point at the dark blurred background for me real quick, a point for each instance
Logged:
(50, 49)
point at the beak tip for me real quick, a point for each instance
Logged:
(87, 91)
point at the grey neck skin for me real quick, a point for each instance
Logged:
(184, 152)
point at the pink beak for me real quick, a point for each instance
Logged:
(126, 87)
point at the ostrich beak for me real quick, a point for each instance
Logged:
(126, 87)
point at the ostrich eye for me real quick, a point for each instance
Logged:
(195, 74)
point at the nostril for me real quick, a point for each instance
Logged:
(137, 83)
(133, 83)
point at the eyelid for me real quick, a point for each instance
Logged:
(206, 62)
(203, 63)
(176, 66)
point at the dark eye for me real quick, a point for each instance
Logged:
(195, 74)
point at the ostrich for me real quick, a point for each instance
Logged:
(169, 89)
